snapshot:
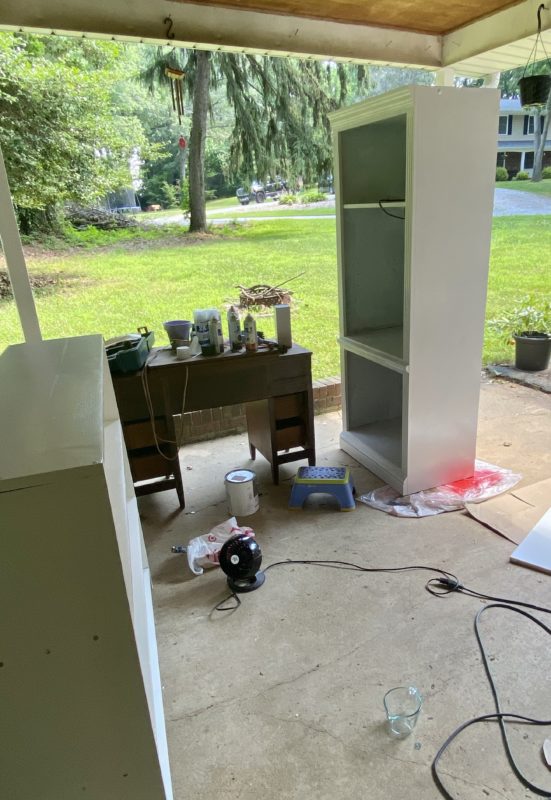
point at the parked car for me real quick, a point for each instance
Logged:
(260, 191)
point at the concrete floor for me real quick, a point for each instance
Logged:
(283, 698)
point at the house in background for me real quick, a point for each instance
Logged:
(515, 140)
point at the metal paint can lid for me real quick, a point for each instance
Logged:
(240, 476)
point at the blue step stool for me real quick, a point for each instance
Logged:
(336, 481)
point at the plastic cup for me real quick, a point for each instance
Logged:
(402, 706)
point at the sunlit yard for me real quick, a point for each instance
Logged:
(165, 275)
(541, 187)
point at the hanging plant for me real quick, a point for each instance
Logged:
(534, 89)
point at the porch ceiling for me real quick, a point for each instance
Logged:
(438, 17)
(473, 37)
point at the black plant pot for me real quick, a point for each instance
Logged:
(534, 90)
(532, 351)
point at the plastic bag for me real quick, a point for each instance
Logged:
(203, 551)
(486, 482)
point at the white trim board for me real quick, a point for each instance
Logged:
(15, 261)
(535, 550)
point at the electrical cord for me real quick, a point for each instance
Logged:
(157, 439)
(388, 213)
(449, 586)
(346, 565)
(221, 607)
(499, 715)
(446, 583)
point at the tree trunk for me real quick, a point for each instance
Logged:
(540, 139)
(198, 213)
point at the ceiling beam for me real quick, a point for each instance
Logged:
(212, 28)
(492, 33)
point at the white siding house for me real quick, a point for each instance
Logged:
(515, 142)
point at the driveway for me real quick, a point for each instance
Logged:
(512, 201)
(507, 202)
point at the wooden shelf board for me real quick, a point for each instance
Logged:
(381, 442)
(384, 345)
(386, 204)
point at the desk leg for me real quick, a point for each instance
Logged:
(282, 429)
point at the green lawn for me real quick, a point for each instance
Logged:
(541, 187)
(259, 211)
(217, 209)
(165, 275)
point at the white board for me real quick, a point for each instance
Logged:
(535, 550)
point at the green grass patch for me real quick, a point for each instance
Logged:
(258, 212)
(144, 216)
(541, 187)
(165, 274)
(519, 266)
(222, 202)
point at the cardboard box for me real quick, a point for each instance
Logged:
(524, 517)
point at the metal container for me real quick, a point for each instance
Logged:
(241, 492)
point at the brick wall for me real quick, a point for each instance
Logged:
(214, 422)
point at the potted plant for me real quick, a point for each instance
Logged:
(529, 326)
(534, 88)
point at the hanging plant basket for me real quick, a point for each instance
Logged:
(534, 90)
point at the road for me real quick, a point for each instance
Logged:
(507, 202)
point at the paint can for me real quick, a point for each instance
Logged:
(241, 492)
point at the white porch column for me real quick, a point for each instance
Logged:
(445, 77)
(491, 81)
(15, 261)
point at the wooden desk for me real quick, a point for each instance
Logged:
(277, 389)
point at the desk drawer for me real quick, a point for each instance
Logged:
(289, 405)
(291, 436)
(140, 434)
(151, 465)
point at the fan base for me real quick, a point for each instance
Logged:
(247, 584)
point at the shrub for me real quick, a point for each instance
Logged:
(546, 172)
(169, 194)
(501, 174)
(522, 176)
(185, 197)
(287, 199)
(312, 197)
(530, 314)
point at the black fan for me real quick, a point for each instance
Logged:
(240, 558)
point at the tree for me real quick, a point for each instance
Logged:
(197, 206)
(279, 108)
(541, 128)
(61, 136)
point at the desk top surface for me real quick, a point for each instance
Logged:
(165, 356)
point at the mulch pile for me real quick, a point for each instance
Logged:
(37, 282)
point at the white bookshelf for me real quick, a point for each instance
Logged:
(81, 691)
(414, 178)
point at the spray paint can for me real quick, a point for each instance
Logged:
(249, 333)
(234, 329)
(220, 336)
(214, 324)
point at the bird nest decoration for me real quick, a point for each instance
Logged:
(264, 295)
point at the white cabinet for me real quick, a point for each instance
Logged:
(415, 172)
(82, 712)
